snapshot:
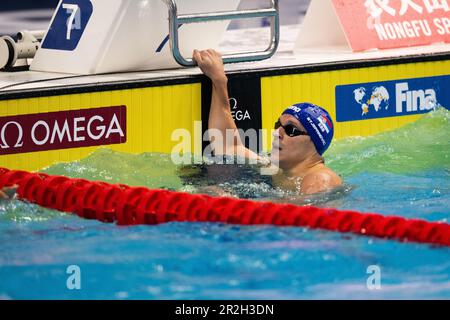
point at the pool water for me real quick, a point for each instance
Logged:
(404, 172)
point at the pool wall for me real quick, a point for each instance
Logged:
(153, 109)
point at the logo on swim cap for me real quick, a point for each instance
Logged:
(317, 123)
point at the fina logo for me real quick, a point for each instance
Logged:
(406, 100)
(415, 100)
(378, 99)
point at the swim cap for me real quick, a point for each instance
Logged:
(317, 123)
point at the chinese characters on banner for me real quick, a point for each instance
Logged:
(385, 24)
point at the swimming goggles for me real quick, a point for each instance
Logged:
(290, 129)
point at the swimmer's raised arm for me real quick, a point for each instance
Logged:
(220, 118)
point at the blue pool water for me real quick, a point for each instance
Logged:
(404, 172)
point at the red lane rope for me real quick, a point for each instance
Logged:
(132, 206)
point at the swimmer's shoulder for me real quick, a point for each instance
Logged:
(321, 180)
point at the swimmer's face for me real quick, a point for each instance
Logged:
(289, 151)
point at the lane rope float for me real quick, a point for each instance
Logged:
(127, 205)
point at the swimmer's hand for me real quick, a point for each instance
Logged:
(211, 63)
(8, 193)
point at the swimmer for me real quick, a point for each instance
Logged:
(303, 132)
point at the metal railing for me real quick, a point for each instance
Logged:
(176, 20)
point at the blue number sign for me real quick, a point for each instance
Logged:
(68, 25)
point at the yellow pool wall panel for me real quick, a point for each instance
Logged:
(280, 92)
(152, 115)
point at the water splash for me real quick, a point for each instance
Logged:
(153, 170)
(23, 212)
(419, 146)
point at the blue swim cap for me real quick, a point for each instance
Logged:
(317, 123)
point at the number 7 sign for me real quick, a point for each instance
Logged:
(68, 25)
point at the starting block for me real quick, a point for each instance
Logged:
(104, 36)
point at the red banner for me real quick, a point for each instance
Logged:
(62, 130)
(384, 24)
